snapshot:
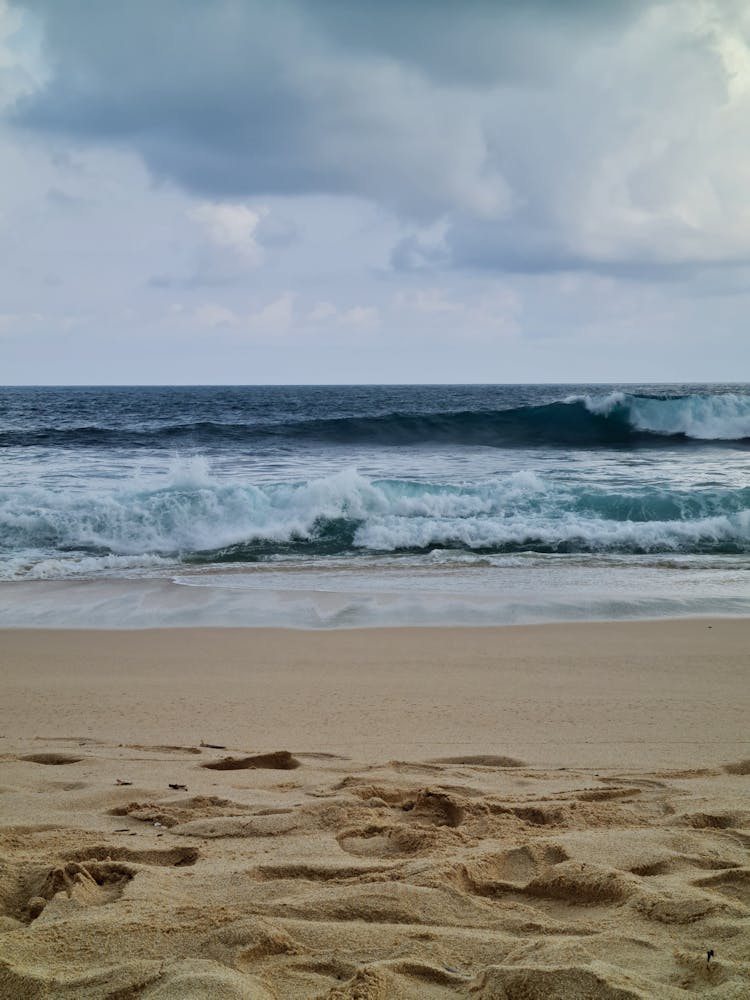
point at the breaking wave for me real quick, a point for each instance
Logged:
(615, 419)
(195, 518)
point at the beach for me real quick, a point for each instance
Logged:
(533, 811)
(374, 500)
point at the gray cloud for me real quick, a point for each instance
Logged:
(478, 43)
(546, 136)
(238, 98)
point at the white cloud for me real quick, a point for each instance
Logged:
(491, 310)
(13, 322)
(275, 317)
(22, 69)
(432, 301)
(233, 226)
(360, 316)
(354, 316)
(637, 159)
(322, 311)
(213, 315)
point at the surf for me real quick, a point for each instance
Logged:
(615, 420)
(194, 517)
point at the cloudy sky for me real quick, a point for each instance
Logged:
(244, 191)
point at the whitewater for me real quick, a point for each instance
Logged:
(334, 506)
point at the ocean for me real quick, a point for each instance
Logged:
(341, 506)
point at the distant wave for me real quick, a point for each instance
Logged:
(616, 419)
(724, 417)
(194, 518)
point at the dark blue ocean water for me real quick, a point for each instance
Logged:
(460, 488)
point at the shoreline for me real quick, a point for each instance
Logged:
(448, 626)
(453, 602)
(376, 629)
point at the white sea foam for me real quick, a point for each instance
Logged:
(192, 511)
(46, 533)
(709, 418)
(555, 532)
(39, 566)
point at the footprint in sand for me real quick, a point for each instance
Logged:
(507, 871)
(423, 805)
(396, 840)
(27, 895)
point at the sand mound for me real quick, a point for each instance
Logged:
(322, 871)
(188, 979)
(581, 884)
(482, 760)
(735, 884)
(572, 983)
(682, 908)
(248, 940)
(199, 979)
(110, 981)
(403, 979)
(741, 767)
(51, 758)
(715, 820)
(386, 903)
(238, 826)
(171, 857)
(169, 814)
(281, 760)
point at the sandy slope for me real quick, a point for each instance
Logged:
(531, 813)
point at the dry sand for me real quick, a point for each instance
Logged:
(529, 813)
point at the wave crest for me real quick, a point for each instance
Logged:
(724, 417)
(194, 518)
(610, 420)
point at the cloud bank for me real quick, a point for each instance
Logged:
(544, 177)
(547, 135)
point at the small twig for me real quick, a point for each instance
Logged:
(213, 746)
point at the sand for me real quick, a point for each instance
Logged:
(533, 812)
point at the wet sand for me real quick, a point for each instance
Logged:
(532, 812)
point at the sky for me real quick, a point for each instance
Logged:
(366, 191)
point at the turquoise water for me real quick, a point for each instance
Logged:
(555, 501)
